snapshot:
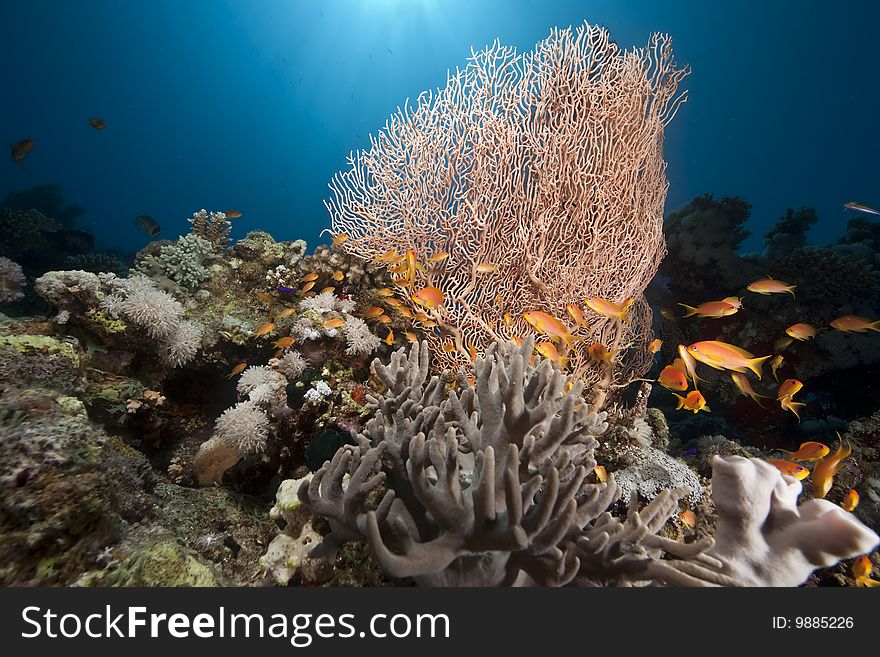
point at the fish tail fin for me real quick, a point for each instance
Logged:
(680, 401)
(707, 409)
(791, 289)
(875, 326)
(754, 364)
(689, 310)
(756, 397)
(563, 360)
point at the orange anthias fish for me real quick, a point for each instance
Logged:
(801, 331)
(388, 256)
(775, 364)
(389, 339)
(770, 286)
(338, 275)
(688, 364)
(693, 402)
(308, 286)
(791, 469)
(809, 451)
(308, 278)
(334, 323)
(265, 329)
(655, 345)
(548, 351)
(21, 149)
(283, 343)
(412, 337)
(861, 572)
(710, 309)
(265, 297)
(600, 473)
(788, 388)
(688, 518)
(673, 378)
(486, 268)
(429, 297)
(550, 326)
(232, 214)
(855, 324)
(472, 352)
(440, 256)
(238, 369)
(385, 292)
(826, 468)
(743, 385)
(97, 124)
(789, 404)
(599, 353)
(372, 311)
(340, 239)
(608, 308)
(384, 319)
(329, 289)
(576, 314)
(850, 500)
(284, 314)
(724, 356)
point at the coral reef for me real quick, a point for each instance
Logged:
(182, 262)
(211, 227)
(12, 279)
(487, 486)
(509, 201)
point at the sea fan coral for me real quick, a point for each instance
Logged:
(546, 166)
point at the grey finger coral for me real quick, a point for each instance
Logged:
(486, 485)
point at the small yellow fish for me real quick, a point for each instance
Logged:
(265, 297)
(600, 473)
(576, 314)
(472, 352)
(440, 256)
(688, 519)
(775, 364)
(486, 268)
(284, 314)
(372, 311)
(781, 344)
(655, 345)
(329, 289)
(283, 343)
(429, 297)
(688, 364)
(791, 469)
(448, 347)
(548, 351)
(308, 278)
(388, 256)
(801, 332)
(854, 323)
(429, 323)
(724, 356)
(338, 275)
(713, 309)
(406, 312)
(308, 286)
(389, 339)
(334, 323)
(508, 320)
(809, 451)
(861, 572)
(673, 378)
(238, 369)
(265, 329)
(788, 388)
(608, 308)
(550, 326)
(770, 286)
(850, 500)
(394, 302)
(599, 353)
(422, 317)
(340, 239)
(694, 401)
(827, 467)
(412, 337)
(384, 319)
(742, 383)
(385, 292)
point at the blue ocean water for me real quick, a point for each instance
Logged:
(253, 105)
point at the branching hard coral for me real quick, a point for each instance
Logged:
(213, 227)
(12, 279)
(181, 261)
(486, 485)
(547, 166)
